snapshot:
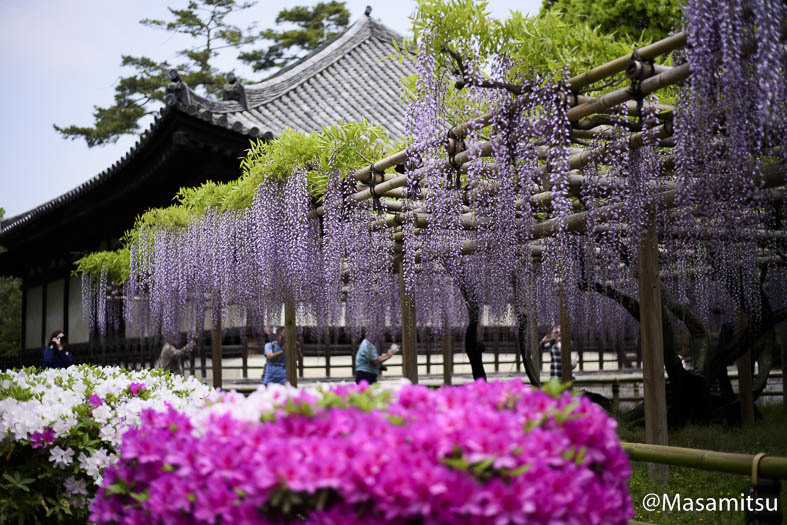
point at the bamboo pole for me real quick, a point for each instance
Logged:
(772, 176)
(601, 72)
(771, 467)
(652, 347)
(613, 98)
(575, 161)
(649, 52)
(215, 348)
(582, 107)
(290, 343)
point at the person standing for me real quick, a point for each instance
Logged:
(367, 362)
(55, 353)
(171, 358)
(276, 365)
(552, 341)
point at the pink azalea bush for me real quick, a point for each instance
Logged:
(493, 453)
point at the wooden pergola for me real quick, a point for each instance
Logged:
(389, 190)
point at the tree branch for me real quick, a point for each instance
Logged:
(463, 80)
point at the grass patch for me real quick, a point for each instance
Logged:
(768, 435)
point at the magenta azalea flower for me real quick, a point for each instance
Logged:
(483, 453)
(42, 439)
(95, 401)
(136, 388)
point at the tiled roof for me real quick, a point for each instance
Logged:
(345, 79)
(348, 78)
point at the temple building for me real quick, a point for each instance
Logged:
(192, 140)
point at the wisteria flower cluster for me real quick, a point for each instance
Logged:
(481, 453)
(60, 428)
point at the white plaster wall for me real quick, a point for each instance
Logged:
(55, 295)
(78, 330)
(33, 320)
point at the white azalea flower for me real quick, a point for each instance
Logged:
(102, 414)
(75, 486)
(61, 458)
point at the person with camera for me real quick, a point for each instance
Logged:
(552, 342)
(55, 353)
(368, 363)
(171, 358)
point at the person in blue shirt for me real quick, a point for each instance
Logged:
(55, 354)
(367, 362)
(276, 366)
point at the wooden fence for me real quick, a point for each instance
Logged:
(501, 355)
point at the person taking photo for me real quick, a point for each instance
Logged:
(55, 354)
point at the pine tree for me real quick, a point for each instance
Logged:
(142, 93)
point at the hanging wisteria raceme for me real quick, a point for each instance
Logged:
(492, 195)
(88, 301)
(724, 119)
(370, 273)
(101, 304)
(235, 264)
(470, 236)
(426, 252)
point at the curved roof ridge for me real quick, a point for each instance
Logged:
(293, 75)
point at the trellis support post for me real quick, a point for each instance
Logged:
(448, 354)
(565, 338)
(746, 395)
(652, 340)
(783, 345)
(409, 334)
(290, 343)
(215, 348)
(532, 340)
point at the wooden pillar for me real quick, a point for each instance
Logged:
(215, 347)
(745, 389)
(245, 354)
(203, 365)
(535, 349)
(615, 396)
(448, 355)
(783, 345)
(290, 343)
(565, 338)
(409, 334)
(327, 354)
(428, 337)
(652, 339)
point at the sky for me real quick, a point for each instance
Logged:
(60, 58)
